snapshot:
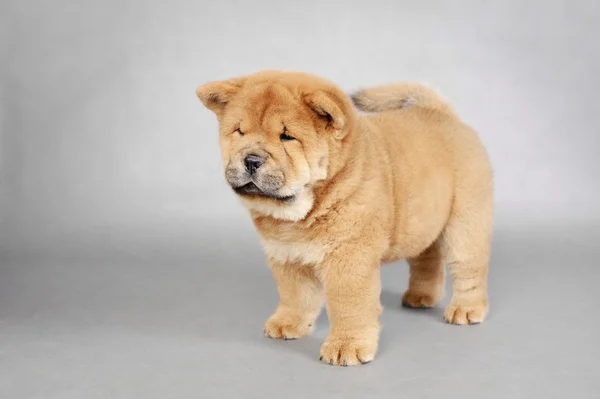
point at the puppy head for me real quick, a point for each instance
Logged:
(278, 132)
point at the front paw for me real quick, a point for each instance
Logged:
(287, 327)
(464, 312)
(346, 351)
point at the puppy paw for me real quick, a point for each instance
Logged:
(466, 313)
(348, 351)
(412, 299)
(287, 327)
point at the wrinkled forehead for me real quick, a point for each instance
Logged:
(269, 106)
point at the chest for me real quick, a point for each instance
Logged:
(304, 253)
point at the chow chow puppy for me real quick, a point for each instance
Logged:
(335, 193)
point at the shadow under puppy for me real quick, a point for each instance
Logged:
(334, 194)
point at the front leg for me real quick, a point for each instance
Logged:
(300, 301)
(352, 284)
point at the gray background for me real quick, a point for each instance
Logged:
(129, 269)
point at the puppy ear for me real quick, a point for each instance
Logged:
(331, 108)
(216, 95)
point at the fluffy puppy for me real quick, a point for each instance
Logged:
(334, 194)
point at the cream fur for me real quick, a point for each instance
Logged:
(287, 212)
(410, 180)
(294, 252)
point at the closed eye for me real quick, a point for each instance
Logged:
(286, 137)
(239, 131)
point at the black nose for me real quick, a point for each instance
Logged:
(253, 162)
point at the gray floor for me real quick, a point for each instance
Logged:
(148, 314)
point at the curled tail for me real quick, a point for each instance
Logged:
(397, 96)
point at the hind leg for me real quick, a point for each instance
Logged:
(466, 242)
(426, 283)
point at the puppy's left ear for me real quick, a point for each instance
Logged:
(216, 95)
(333, 108)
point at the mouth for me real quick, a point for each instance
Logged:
(252, 190)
